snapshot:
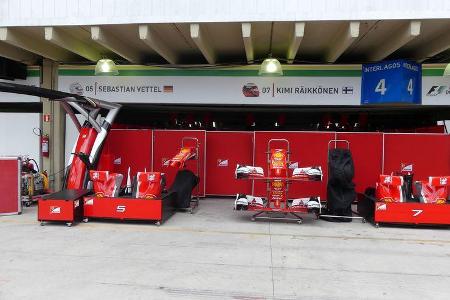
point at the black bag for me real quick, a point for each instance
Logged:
(340, 189)
(185, 181)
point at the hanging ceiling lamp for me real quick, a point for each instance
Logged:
(106, 67)
(270, 66)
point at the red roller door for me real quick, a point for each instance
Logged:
(127, 148)
(367, 153)
(429, 153)
(167, 143)
(224, 150)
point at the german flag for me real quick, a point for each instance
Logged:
(168, 89)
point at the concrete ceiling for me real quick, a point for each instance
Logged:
(231, 43)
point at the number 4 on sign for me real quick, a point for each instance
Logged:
(410, 86)
(381, 87)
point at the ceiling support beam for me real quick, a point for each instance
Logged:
(395, 41)
(204, 45)
(34, 45)
(63, 40)
(343, 40)
(115, 45)
(297, 37)
(248, 41)
(433, 47)
(17, 54)
(148, 35)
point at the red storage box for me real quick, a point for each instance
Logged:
(412, 213)
(157, 210)
(64, 206)
(10, 186)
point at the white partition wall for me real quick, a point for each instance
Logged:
(16, 135)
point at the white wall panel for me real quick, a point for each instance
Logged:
(16, 134)
(86, 12)
(10, 97)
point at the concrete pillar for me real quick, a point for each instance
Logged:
(54, 128)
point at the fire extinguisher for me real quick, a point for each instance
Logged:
(45, 142)
(45, 145)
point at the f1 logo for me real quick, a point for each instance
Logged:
(120, 208)
(388, 179)
(55, 209)
(417, 212)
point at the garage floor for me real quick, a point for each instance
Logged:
(220, 254)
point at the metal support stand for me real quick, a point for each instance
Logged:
(195, 201)
(270, 216)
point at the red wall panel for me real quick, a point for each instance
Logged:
(125, 148)
(233, 148)
(367, 153)
(167, 143)
(307, 148)
(429, 153)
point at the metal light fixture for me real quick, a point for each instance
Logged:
(270, 66)
(447, 71)
(106, 67)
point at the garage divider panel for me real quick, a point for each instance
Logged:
(125, 148)
(167, 143)
(307, 148)
(429, 153)
(367, 153)
(10, 187)
(224, 150)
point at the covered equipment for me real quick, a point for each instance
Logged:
(183, 185)
(340, 188)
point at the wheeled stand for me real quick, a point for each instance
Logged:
(277, 188)
(195, 200)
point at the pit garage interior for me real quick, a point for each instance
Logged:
(191, 70)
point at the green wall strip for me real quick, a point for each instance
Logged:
(215, 72)
(33, 72)
(245, 71)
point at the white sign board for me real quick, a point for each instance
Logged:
(435, 90)
(217, 89)
(317, 89)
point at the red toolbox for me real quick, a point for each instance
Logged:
(64, 206)
(412, 213)
(157, 210)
